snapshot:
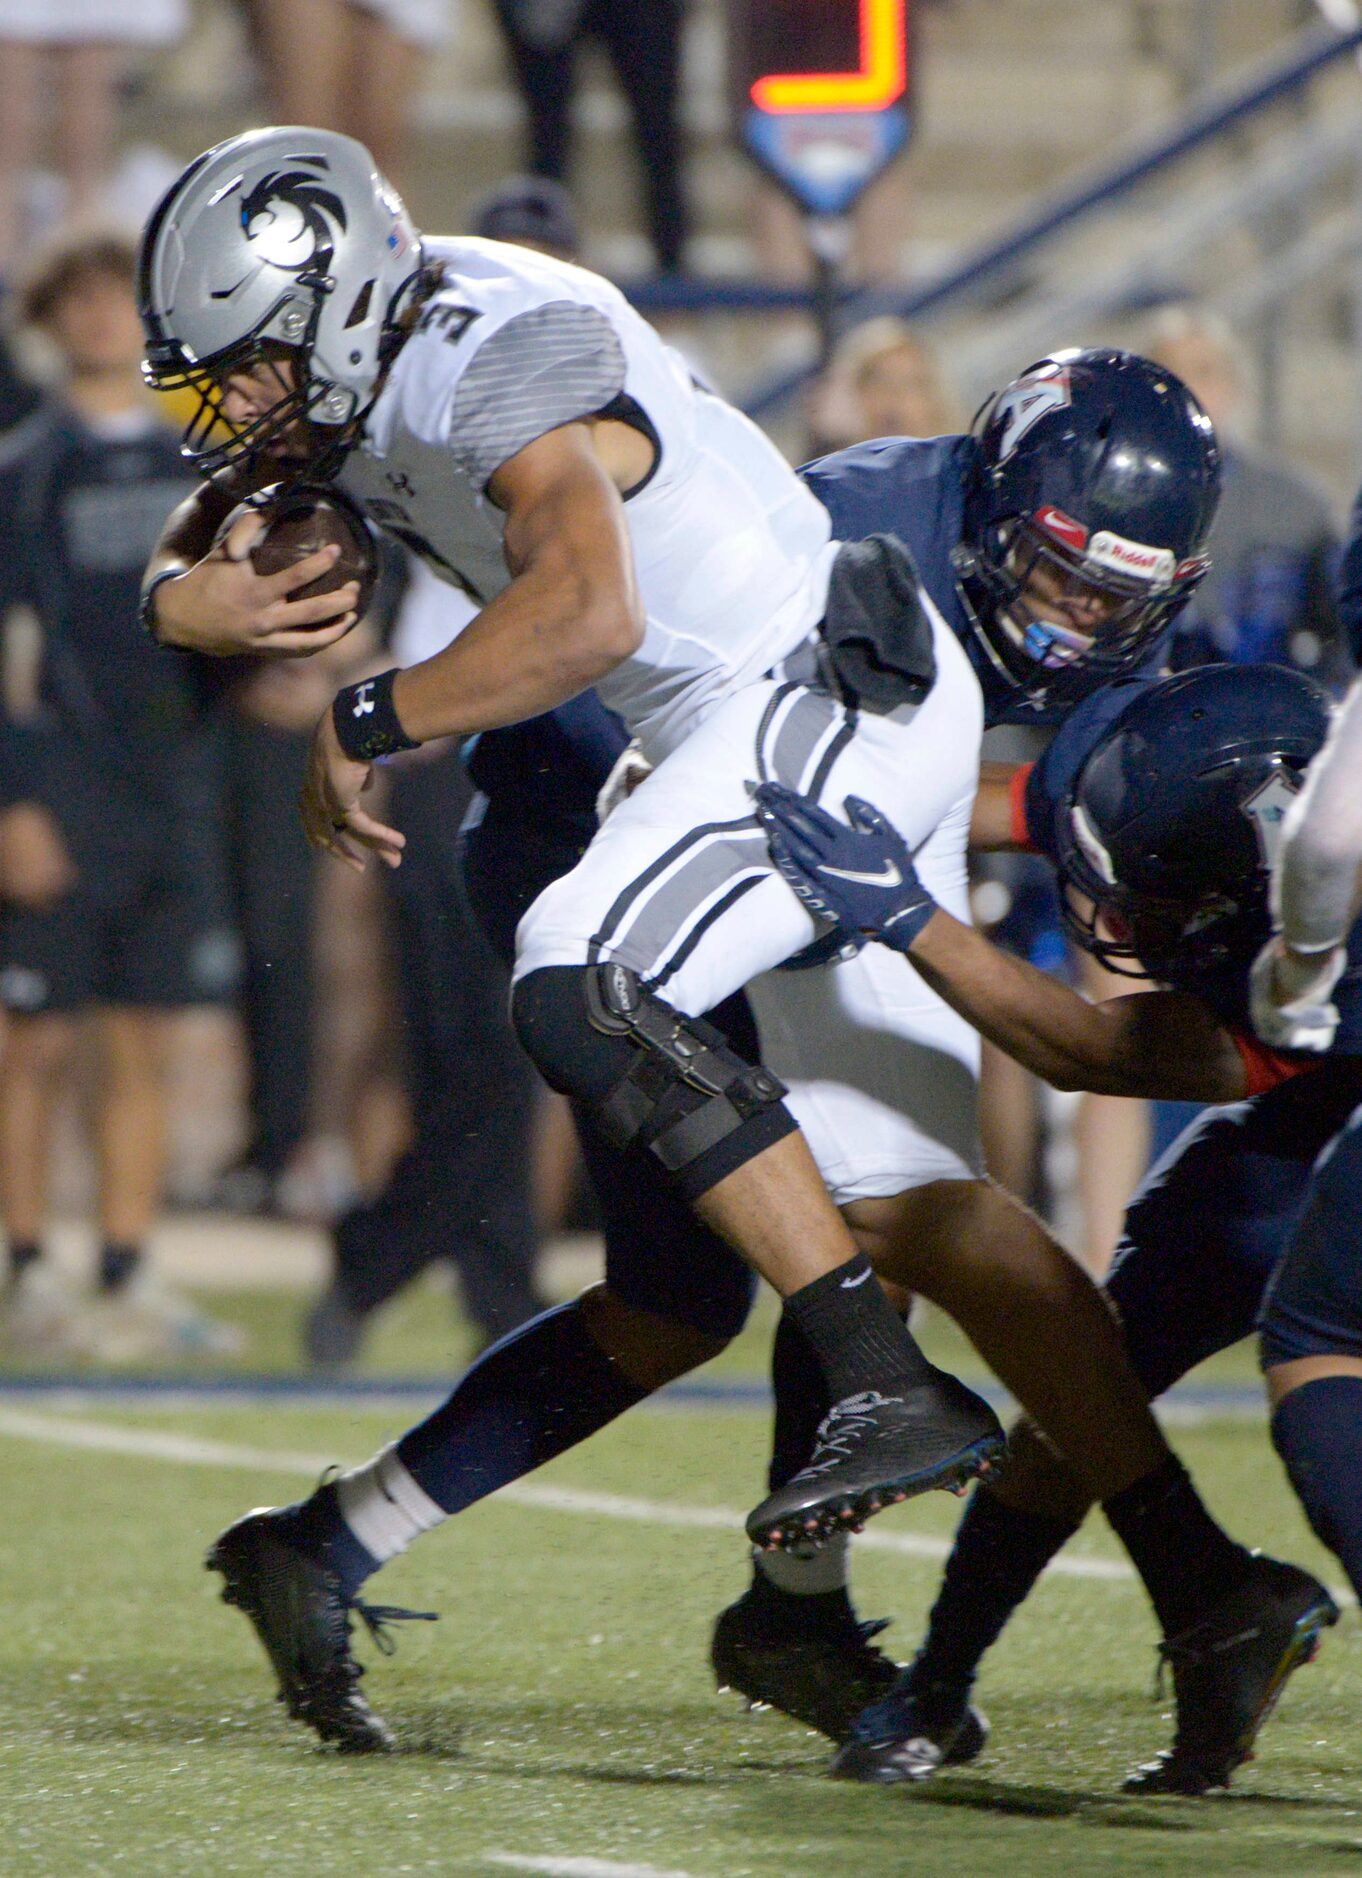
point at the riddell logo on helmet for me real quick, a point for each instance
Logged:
(1156, 565)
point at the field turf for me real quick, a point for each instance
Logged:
(560, 1717)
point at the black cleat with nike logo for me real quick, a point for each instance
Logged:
(1228, 1672)
(874, 1450)
(302, 1618)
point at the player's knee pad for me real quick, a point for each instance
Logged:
(655, 1080)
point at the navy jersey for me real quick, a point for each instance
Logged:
(1223, 986)
(79, 515)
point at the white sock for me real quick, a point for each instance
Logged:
(807, 1569)
(384, 1507)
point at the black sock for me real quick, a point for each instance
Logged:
(858, 1337)
(22, 1254)
(1186, 1561)
(801, 1399)
(117, 1263)
(998, 1555)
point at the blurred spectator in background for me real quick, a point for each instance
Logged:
(62, 60)
(348, 65)
(313, 999)
(643, 41)
(462, 1192)
(111, 850)
(883, 380)
(1273, 545)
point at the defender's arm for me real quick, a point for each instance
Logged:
(1161, 1044)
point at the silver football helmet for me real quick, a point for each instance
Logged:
(281, 238)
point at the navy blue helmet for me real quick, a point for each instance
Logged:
(1165, 839)
(1095, 483)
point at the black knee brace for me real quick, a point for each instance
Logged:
(656, 1080)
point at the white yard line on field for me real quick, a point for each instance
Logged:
(577, 1867)
(59, 1430)
(65, 1431)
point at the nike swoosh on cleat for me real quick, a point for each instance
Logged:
(888, 876)
(850, 1284)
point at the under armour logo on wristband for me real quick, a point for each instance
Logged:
(364, 699)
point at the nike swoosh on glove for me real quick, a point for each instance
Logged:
(1290, 1004)
(858, 879)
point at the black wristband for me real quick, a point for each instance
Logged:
(366, 720)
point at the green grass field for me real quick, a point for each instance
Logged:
(560, 1718)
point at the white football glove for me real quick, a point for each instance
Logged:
(1289, 997)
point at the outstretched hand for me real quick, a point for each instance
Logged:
(859, 879)
(329, 805)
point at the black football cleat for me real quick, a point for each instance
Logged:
(874, 1450)
(1228, 1672)
(819, 1672)
(903, 1739)
(302, 1618)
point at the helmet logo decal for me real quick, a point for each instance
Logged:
(1024, 403)
(1266, 809)
(1156, 565)
(1064, 528)
(291, 220)
(1091, 845)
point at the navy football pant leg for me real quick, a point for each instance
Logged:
(1317, 1430)
(1208, 1226)
(1314, 1309)
(1314, 1305)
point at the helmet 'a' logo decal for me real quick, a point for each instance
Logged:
(291, 220)
(1026, 402)
(1266, 809)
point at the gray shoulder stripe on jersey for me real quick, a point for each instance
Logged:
(541, 369)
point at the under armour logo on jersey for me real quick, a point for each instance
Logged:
(364, 699)
(1024, 404)
(1266, 809)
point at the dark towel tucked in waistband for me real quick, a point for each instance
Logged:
(876, 627)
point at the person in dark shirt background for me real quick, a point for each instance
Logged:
(1269, 597)
(111, 855)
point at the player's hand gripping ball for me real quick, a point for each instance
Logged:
(300, 518)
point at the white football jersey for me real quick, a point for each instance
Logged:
(732, 552)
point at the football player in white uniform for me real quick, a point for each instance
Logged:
(512, 419)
